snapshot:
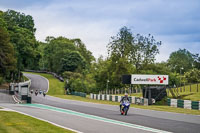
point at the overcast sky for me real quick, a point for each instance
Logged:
(174, 22)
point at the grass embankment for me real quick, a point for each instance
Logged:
(57, 90)
(12, 122)
(186, 94)
(25, 78)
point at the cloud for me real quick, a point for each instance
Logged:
(19, 4)
(174, 22)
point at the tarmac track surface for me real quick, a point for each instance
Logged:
(172, 122)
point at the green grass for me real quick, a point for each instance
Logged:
(187, 95)
(12, 122)
(58, 86)
(132, 94)
(25, 78)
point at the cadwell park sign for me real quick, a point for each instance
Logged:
(154, 88)
(149, 79)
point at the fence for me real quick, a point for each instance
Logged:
(114, 98)
(121, 91)
(187, 104)
(79, 94)
(187, 88)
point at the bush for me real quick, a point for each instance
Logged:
(193, 76)
(1, 80)
(162, 102)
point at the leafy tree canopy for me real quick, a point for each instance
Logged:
(181, 60)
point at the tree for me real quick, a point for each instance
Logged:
(193, 76)
(53, 52)
(20, 20)
(144, 51)
(181, 61)
(62, 54)
(7, 59)
(79, 82)
(87, 55)
(21, 30)
(196, 63)
(72, 62)
(121, 44)
(139, 50)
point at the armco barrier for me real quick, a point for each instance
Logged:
(114, 98)
(187, 104)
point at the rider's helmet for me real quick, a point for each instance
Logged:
(126, 94)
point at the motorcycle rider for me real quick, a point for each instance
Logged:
(36, 92)
(124, 98)
(44, 93)
(32, 91)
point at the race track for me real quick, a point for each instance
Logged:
(91, 117)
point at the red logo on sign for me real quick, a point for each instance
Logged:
(162, 79)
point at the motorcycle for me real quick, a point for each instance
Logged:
(125, 107)
(40, 92)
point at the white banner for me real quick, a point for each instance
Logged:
(149, 79)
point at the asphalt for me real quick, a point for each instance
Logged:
(5, 97)
(74, 122)
(172, 122)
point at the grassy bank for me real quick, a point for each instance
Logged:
(12, 122)
(189, 92)
(58, 86)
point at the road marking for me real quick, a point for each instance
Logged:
(42, 120)
(41, 106)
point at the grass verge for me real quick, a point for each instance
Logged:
(54, 83)
(25, 78)
(133, 94)
(12, 122)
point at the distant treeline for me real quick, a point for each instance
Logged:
(128, 53)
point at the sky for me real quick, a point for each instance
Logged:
(174, 22)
